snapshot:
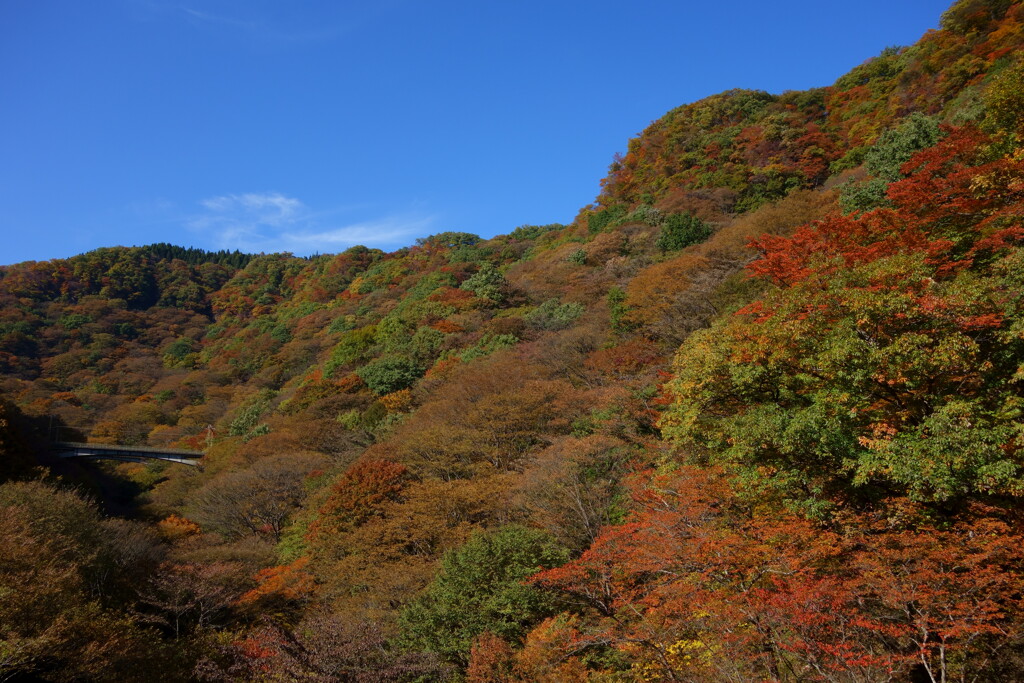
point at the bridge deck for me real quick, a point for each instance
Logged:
(70, 449)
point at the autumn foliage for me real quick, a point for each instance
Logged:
(693, 587)
(755, 414)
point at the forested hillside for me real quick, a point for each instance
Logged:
(755, 414)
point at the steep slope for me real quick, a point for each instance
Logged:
(742, 148)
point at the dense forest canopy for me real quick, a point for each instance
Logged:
(755, 414)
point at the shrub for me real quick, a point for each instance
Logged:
(681, 230)
(487, 283)
(606, 218)
(480, 589)
(390, 374)
(552, 315)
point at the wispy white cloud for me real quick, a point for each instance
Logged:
(272, 208)
(386, 231)
(263, 27)
(281, 23)
(272, 222)
(206, 17)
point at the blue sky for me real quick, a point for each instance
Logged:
(309, 126)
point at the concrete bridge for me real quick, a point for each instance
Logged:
(102, 451)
